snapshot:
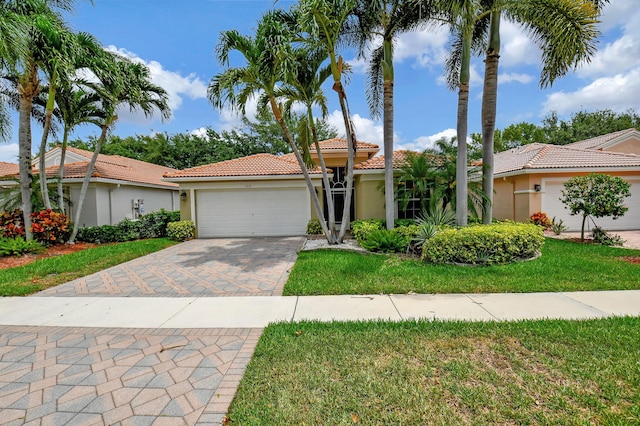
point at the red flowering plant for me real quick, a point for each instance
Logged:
(50, 227)
(11, 224)
(541, 219)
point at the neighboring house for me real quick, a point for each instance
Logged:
(119, 188)
(8, 169)
(266, 195)
(530, 178)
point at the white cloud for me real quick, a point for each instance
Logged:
(230, 119)
(176, 85)
(511, 77)
(200, 132)
(517, 47)
(367, 130)
(618, 92)
(9, 152)
(428, 47)
(425, 142)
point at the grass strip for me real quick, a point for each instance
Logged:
(414, 373)
(563, 266)
(51, 271)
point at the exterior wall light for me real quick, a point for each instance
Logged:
(537, 187)
(183, 196)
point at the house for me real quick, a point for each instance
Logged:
(530, 178)
(119, 188)
(266, 195)
(8, 169)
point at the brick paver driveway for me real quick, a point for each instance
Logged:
(215, 267)
(126, 376)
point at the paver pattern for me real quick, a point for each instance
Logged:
(91, 376)
(215, 267)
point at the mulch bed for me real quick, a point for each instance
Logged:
(13, 261)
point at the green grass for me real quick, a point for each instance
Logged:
(51, 271)
(563, 266)
(415, 373)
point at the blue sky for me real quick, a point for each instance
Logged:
(177, 39)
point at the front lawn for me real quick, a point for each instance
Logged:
(51, 271)
(414, 373)
(563, 266)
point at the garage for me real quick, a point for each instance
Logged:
(551, 204)
(252, 212)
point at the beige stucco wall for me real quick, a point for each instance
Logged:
(516, 199)
(369, 198)
(630, 146)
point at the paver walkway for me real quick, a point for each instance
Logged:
(216, 267)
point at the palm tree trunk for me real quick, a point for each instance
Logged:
(325, 177)
(462, 209)
(389, 198)
(489, 106)
(63, 153)
(312, 191)
(351, 150)
(85, 182)
(28, 87)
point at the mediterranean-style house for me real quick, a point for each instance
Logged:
(530, 178)
(119, 188)
(266, 195)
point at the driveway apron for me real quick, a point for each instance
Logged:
(126, 376)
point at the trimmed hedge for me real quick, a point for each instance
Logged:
(181, 231)
(151, 225)
(484, 244)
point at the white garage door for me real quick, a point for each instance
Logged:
(252, 212)
(552, 206)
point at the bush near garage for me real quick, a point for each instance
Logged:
(372, 235)
(181, 231)
(151, 225)
(497, 243)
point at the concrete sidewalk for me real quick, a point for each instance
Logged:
(259, 311)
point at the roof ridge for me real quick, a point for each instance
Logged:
(537, 156)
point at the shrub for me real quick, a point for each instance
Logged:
(50, 227)
(361, 228)
(541, 219)
(401, 222)
(385, 241)
(557, 226)
(18, 246)
(154, 224)
(314, 227)
(11, 224)
(181, 231)
(601, 236)
(484, 244)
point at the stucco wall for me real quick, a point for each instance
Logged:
(630, 146)
(369, 199)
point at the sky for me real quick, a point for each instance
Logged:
(176, 39)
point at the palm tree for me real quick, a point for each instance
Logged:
(304, 85)
(74, 107)
(122, 82)
(42, 26)
(269, 60)
(383, 21)
(322, 21)
(563, 29)
(67, 53)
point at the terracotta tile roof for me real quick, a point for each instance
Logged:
(8, 169)
(340, 143)
(600, 141)
(545, 156)
(377, 163)
(115, 167)
(253, 165)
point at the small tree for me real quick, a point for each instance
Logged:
(595, 195)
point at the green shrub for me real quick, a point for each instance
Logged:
(11, 224)
(484, 244)
(601, 236)
(314, 227)
(401, 222)
(18, 246)
(154, 224)
(385, 241)
(360, 229)
(558, 227)
(50, 227)
(181, 231)
(151, 225)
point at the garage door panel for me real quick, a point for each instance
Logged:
(252, 212)
(552, 206)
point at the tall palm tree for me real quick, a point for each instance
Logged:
(64, 56)
(304, 86)
(268, 60)
(381, 21)
(74, 107)
(323, 21)
(42, 25)
(122, 83)
(563, 29)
